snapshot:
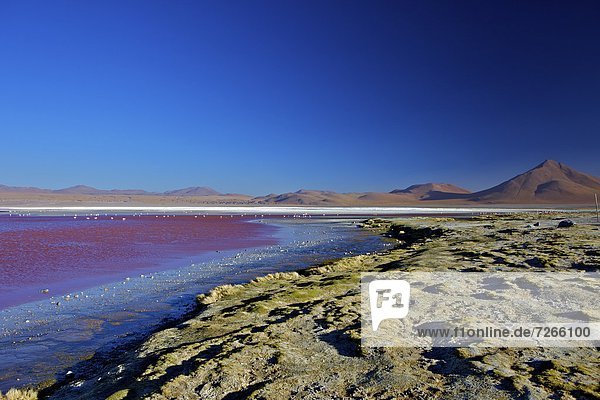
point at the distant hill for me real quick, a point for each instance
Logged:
(409, 195)
(79, 189)
(18, 189)
(193, 191)
(429, 191)
(92, 191)
(549, 182)
(308, 197)
(82, 189)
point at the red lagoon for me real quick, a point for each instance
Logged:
(43, 256)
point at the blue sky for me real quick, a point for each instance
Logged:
(273, 96)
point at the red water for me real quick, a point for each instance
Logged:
(65, 254)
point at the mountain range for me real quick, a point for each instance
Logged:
(88, 190)
(550, 182)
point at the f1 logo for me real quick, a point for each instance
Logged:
(388, 298)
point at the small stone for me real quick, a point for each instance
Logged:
(566, 223)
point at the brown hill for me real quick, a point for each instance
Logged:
(79, 189)
(424, 188)
(410, 195)
(431, 191)
(549, 182)
(83, 189)
(24, 190)
(308, 197)
(193, 191)
(386, 199)
(92, 191)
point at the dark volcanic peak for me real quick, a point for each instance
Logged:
(193, 191)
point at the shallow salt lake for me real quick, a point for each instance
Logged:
(41, 340)
(45, 255)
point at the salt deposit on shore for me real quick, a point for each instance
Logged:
(287, 210)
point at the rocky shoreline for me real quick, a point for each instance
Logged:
(297, 334)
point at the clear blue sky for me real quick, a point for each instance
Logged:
(273, 96)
